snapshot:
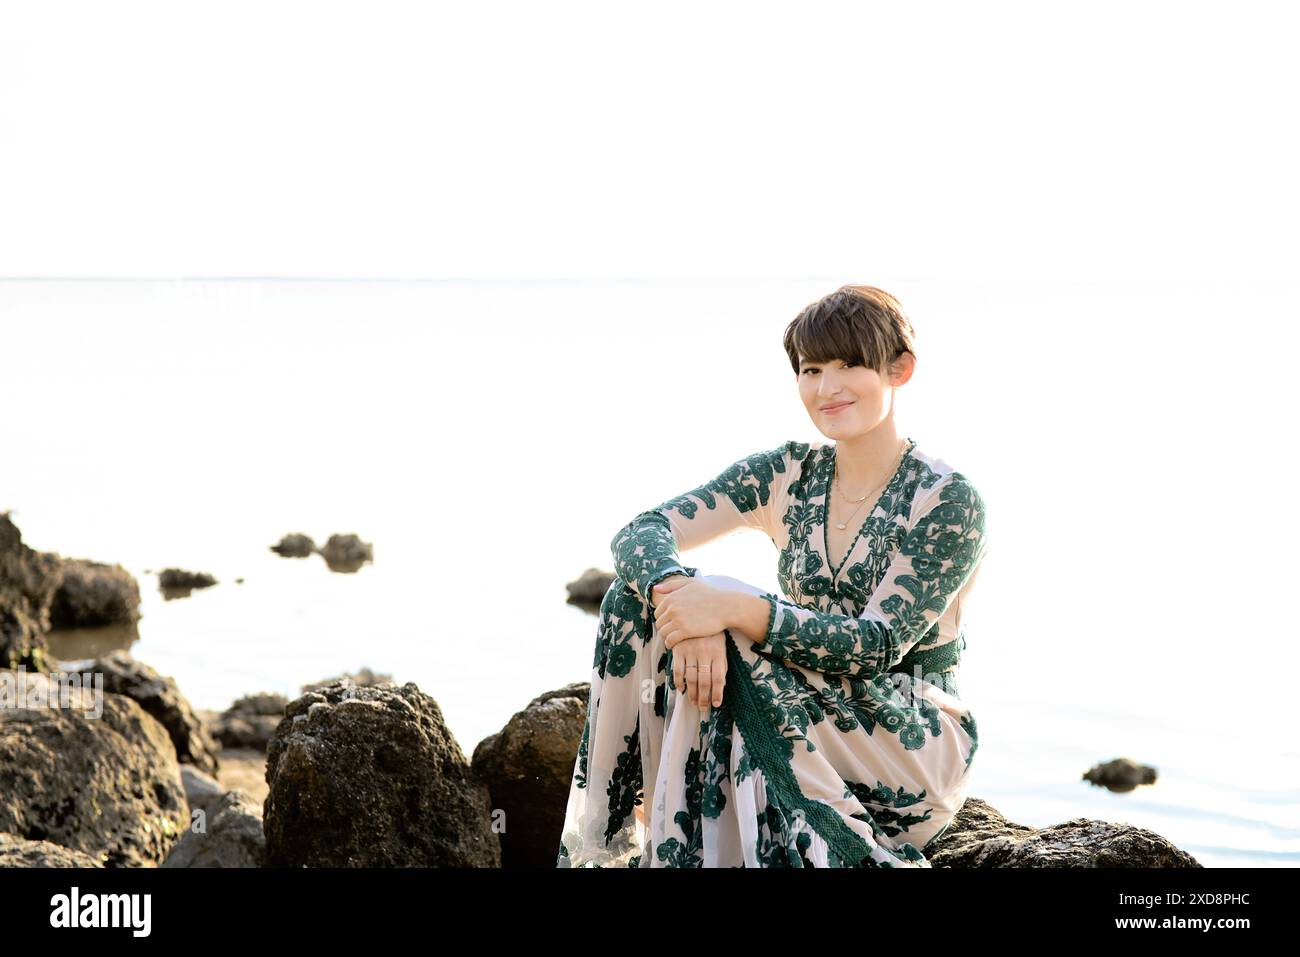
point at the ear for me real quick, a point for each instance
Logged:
(901, 369)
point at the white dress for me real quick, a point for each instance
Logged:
(841, 740)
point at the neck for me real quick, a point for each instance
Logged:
(867, 460)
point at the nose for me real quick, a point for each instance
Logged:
(828, 385)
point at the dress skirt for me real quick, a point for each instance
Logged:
(795, 768)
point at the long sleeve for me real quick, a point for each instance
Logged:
(935, 560)
(745, 494)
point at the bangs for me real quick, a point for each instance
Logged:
(821, 336)
(823, 340)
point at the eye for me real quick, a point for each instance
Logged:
(848, 364)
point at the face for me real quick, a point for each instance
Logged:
(862, 395)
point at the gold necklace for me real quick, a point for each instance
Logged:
(845, 524)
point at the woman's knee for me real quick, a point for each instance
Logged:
(621, 602)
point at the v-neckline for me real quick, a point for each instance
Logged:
(829, 465)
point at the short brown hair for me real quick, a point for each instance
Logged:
(854, 323)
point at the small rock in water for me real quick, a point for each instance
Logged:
(347, 553)
(1121, 775)
(295, 545)
(177, 583)
(589, 590)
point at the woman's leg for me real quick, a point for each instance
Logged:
(618, 755)
(833, 770)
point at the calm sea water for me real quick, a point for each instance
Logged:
(491, 437)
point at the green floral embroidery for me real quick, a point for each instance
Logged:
(773, 752)
(968, 723)
(687, 853)
(623, 621)
(645, 551)
(896, 494)
(624, 789)
(883, 802)
(775, 702)
(793, 702)
(748, 484)
(944, 546)
(580, 774)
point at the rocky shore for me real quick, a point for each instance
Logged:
(356, 771)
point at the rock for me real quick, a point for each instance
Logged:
(20, 852)
(528, 768)
(295, 545)
(202, 790)
(161, 698)
(589, 590)
(250, 722)
(28, 582)
(371, 777)
(981, 837)
(228, 834)
(1120, 775)
(178, 583)
(364, 678)
(93, 595)
(107, 785)
(347, 553)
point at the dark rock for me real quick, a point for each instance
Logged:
(295, 545)
(20, 852)
(528, 768)
(161, 698)
(371, 777)
(589, 590)
(93, 595)
(981, 837)
(227, 834)
(1120, 775)
(178, 583)
(347, 553)
(250, 722)
(364, 678)
(105, 784)
(28, 582)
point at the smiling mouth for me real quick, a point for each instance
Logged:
(836, 408)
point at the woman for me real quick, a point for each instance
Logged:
(731, 727)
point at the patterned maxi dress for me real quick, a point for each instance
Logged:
(841, 740)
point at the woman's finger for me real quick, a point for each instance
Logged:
(719, 682)
(679, 673)
(706, 683)
(693, 681)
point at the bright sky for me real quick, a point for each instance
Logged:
(664, 139)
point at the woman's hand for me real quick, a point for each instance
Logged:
(689, 609)
(700, 669)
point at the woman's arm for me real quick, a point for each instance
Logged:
(947, 542)
(742, 496)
